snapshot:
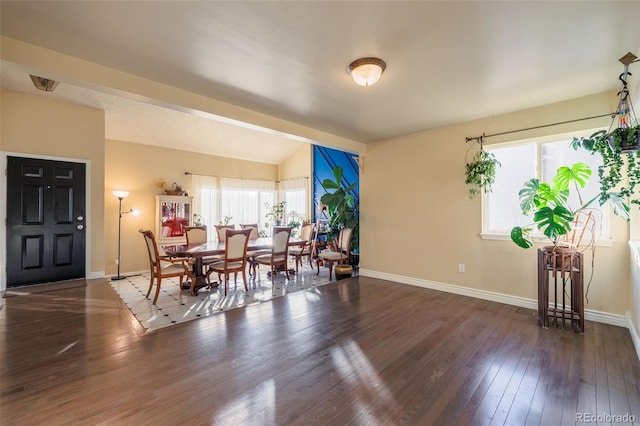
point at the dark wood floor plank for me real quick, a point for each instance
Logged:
(360, 351)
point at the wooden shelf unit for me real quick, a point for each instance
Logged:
(562, 269)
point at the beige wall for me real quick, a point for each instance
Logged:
(136, 168)
(299, 165)
(417, 220)
(35, 125)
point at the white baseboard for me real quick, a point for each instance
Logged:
(95, 275)
(589, 314)
(635, 337)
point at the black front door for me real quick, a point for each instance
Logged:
(46, 221)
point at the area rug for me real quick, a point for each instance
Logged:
(175, 306)
(41, 288)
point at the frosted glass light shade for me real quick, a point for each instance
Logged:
(121, 194)
(366, 71)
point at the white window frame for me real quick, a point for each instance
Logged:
(605, 238)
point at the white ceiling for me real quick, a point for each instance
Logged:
(447, 62)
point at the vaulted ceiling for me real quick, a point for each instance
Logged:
(447, 62)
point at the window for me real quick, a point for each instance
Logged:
(523, 161)
(294, 192)
(242, 200)
(206, 201)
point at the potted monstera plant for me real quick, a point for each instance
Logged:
(552, 212)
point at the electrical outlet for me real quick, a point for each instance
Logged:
(461, 267)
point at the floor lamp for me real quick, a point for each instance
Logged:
(121, 195)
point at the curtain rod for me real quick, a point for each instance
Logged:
(480, 138)
(229, 177)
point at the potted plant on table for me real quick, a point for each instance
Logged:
(275, 212)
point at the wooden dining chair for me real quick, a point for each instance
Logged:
(198, 235)
(235, 258)
(342, 253)
(277, 258)
(307, 233)
(173, 267)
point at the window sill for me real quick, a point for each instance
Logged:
(540, 240)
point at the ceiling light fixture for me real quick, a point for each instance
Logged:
(44, 83)
(366, 71)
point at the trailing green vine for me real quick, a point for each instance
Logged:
(614, 167)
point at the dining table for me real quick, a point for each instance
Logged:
(216, 247)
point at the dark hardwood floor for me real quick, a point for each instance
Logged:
(360, 351)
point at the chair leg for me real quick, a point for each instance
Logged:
(286, 271)
(155, 299)
(330, 269)
(150, 286)
(244, 280)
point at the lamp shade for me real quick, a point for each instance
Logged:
(366, 71)
(121, 194)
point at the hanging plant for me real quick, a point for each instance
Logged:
(615, 147)
(481, 172)
(625, 139)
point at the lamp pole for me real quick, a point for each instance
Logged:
(120, 196)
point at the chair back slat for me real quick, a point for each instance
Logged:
(222, 231)
(152, 247)
(281, 235)
(254, 230)
(344, 240)
(236, 244)
(196, 234)
(307, 231)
